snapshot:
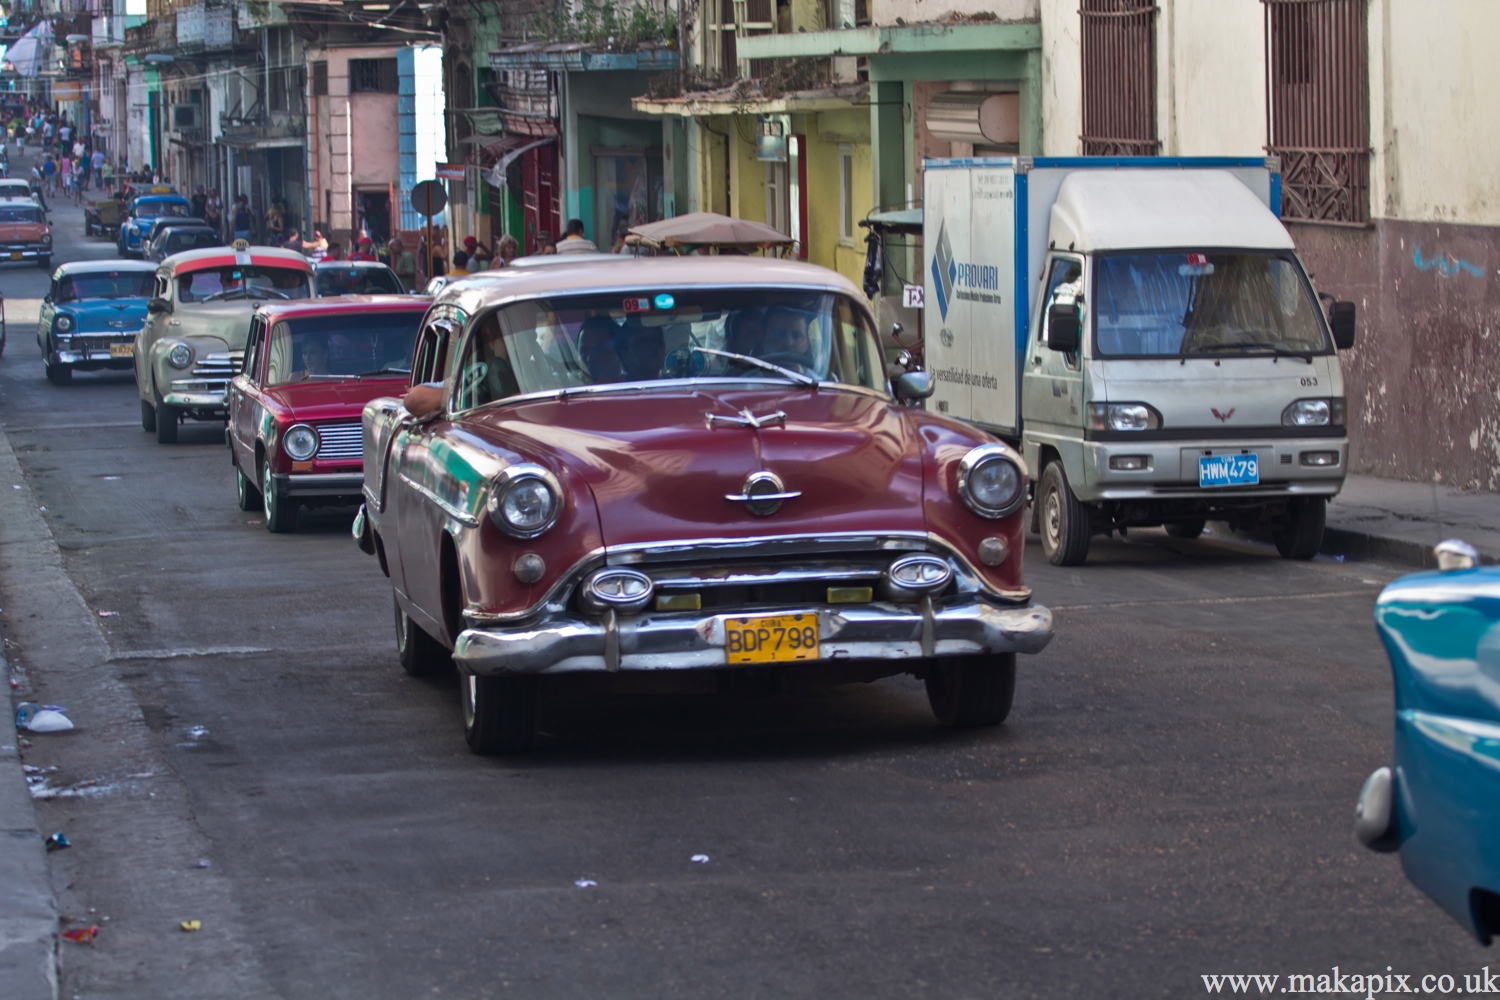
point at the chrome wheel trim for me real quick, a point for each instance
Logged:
(471, 698)
(268, 494)
(1052, 518)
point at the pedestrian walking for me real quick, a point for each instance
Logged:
(49, 173)
(507, 250)
(404, 263)
(364, 250)
(276, 223)
(97, 162)
(242, 223)
(199, 203)
(213, 211)
(108, 173)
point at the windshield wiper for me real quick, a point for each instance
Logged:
(1260, 345)
(385, 371)
(758, 363)
(270, 291)
(225, 294)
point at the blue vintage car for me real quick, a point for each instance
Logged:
(91, 314)
(1439, 801)
(142, 213)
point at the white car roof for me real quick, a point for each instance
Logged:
(1160, 207)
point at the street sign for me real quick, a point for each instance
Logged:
(428, 198)
(450, 171)
(911, 296)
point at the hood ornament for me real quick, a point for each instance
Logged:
(763, 494)
(1222, 416)
(747, 419)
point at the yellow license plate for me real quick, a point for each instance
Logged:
(15, 255)
(122, 350)
(771, 639)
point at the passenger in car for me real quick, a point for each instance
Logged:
(596, 348)
(643, 353)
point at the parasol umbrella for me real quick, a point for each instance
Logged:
(706, 229)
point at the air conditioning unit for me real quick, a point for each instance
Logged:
(186, 116)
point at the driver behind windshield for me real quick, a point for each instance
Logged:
(643, 352)
(786, 336)
(315, 355)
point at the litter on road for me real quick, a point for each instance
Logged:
(191, 925)
(699, 859)
(58, 842)
(109, 614)
(49, 721)
(585, 883)
(82, 935)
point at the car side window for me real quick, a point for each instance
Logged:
(484, 372)
(253, 351)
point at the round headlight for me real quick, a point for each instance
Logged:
(64, 323)
(991, 482)
(180, 356)
(1307, 413)
(300, 442)
(47, 238)
(526, 501)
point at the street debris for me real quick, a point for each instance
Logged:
(58, 842)
(198, 732)
(49, 721)
(82, 935)
(204, 863)
(92, 788)
(699, 859)
(191, 925)
(585, 883)
(109, 614)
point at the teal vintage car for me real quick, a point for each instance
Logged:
(1438, 803)
(144, 211)
(91, 314)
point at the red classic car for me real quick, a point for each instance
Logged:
(310, 368)
(688, 464)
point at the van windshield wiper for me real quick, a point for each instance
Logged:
(1280, 350)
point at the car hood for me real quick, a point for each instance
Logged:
(324, 401)
(659, 472)
(28, 231)
(108, 315)
(228, 321)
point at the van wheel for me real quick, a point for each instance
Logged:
(1299, 534)
(1187, 530)
(421, 655)
(969, 691)
(499, 712)
(148, 416)
(1065, 522)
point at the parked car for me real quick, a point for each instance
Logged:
(178, 238)
(25, 234)
(193, 339)
(90, 316)
(144, 211)
(355, 277)
(1438, 803)
(294, 411)
(694, 465)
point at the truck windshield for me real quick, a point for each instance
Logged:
(1209, 303)
(784, 335)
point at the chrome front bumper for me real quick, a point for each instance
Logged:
(319, 484)
(196, 400)
(568, 643)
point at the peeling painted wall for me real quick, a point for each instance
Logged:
(1423, 380)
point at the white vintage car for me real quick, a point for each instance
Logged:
(193, 341)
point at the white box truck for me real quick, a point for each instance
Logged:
(1142, 329)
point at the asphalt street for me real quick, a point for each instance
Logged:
(1171, 797)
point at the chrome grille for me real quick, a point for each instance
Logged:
(219, 366)
(340, 441)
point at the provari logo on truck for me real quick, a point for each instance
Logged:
(954, 280)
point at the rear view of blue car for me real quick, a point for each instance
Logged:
(1439, 802)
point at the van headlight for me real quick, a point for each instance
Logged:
(525, 501)
(1329, 412)
(1123, 417)
(991, 481)
(300, 442)
(180, 356)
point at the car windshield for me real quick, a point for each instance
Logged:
(152, 209)
(1209, 303)
(781, 335)
(14, 189)
(104, 285)
(20, 213)
(344, 346)
(178, 240)
(240, 282)
(358, 281)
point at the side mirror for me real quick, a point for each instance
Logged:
(1063, 327)
(914, 386)
(159, 305)
(1341, 321)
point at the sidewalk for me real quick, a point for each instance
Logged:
(1399, 522)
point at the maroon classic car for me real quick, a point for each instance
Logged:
(310, 368)
(691, 464)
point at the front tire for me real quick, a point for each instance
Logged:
(421, 655)
(148, 416)
(500, 713)
(970, 691)
(59, 374)
(1299, 535)
(1066, 531)
(281, 512)
(246, 495)
(166, 424)
(45, 263)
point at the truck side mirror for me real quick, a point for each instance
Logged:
(1063, 327)
(1341, 320)
(159, 305)
(914, 386)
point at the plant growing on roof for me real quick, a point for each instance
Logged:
(608, 25)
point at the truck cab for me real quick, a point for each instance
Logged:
(1174, 365)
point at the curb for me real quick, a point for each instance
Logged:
(1361, 546)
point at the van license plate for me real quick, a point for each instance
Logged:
(1228, 470)
(771, 639)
